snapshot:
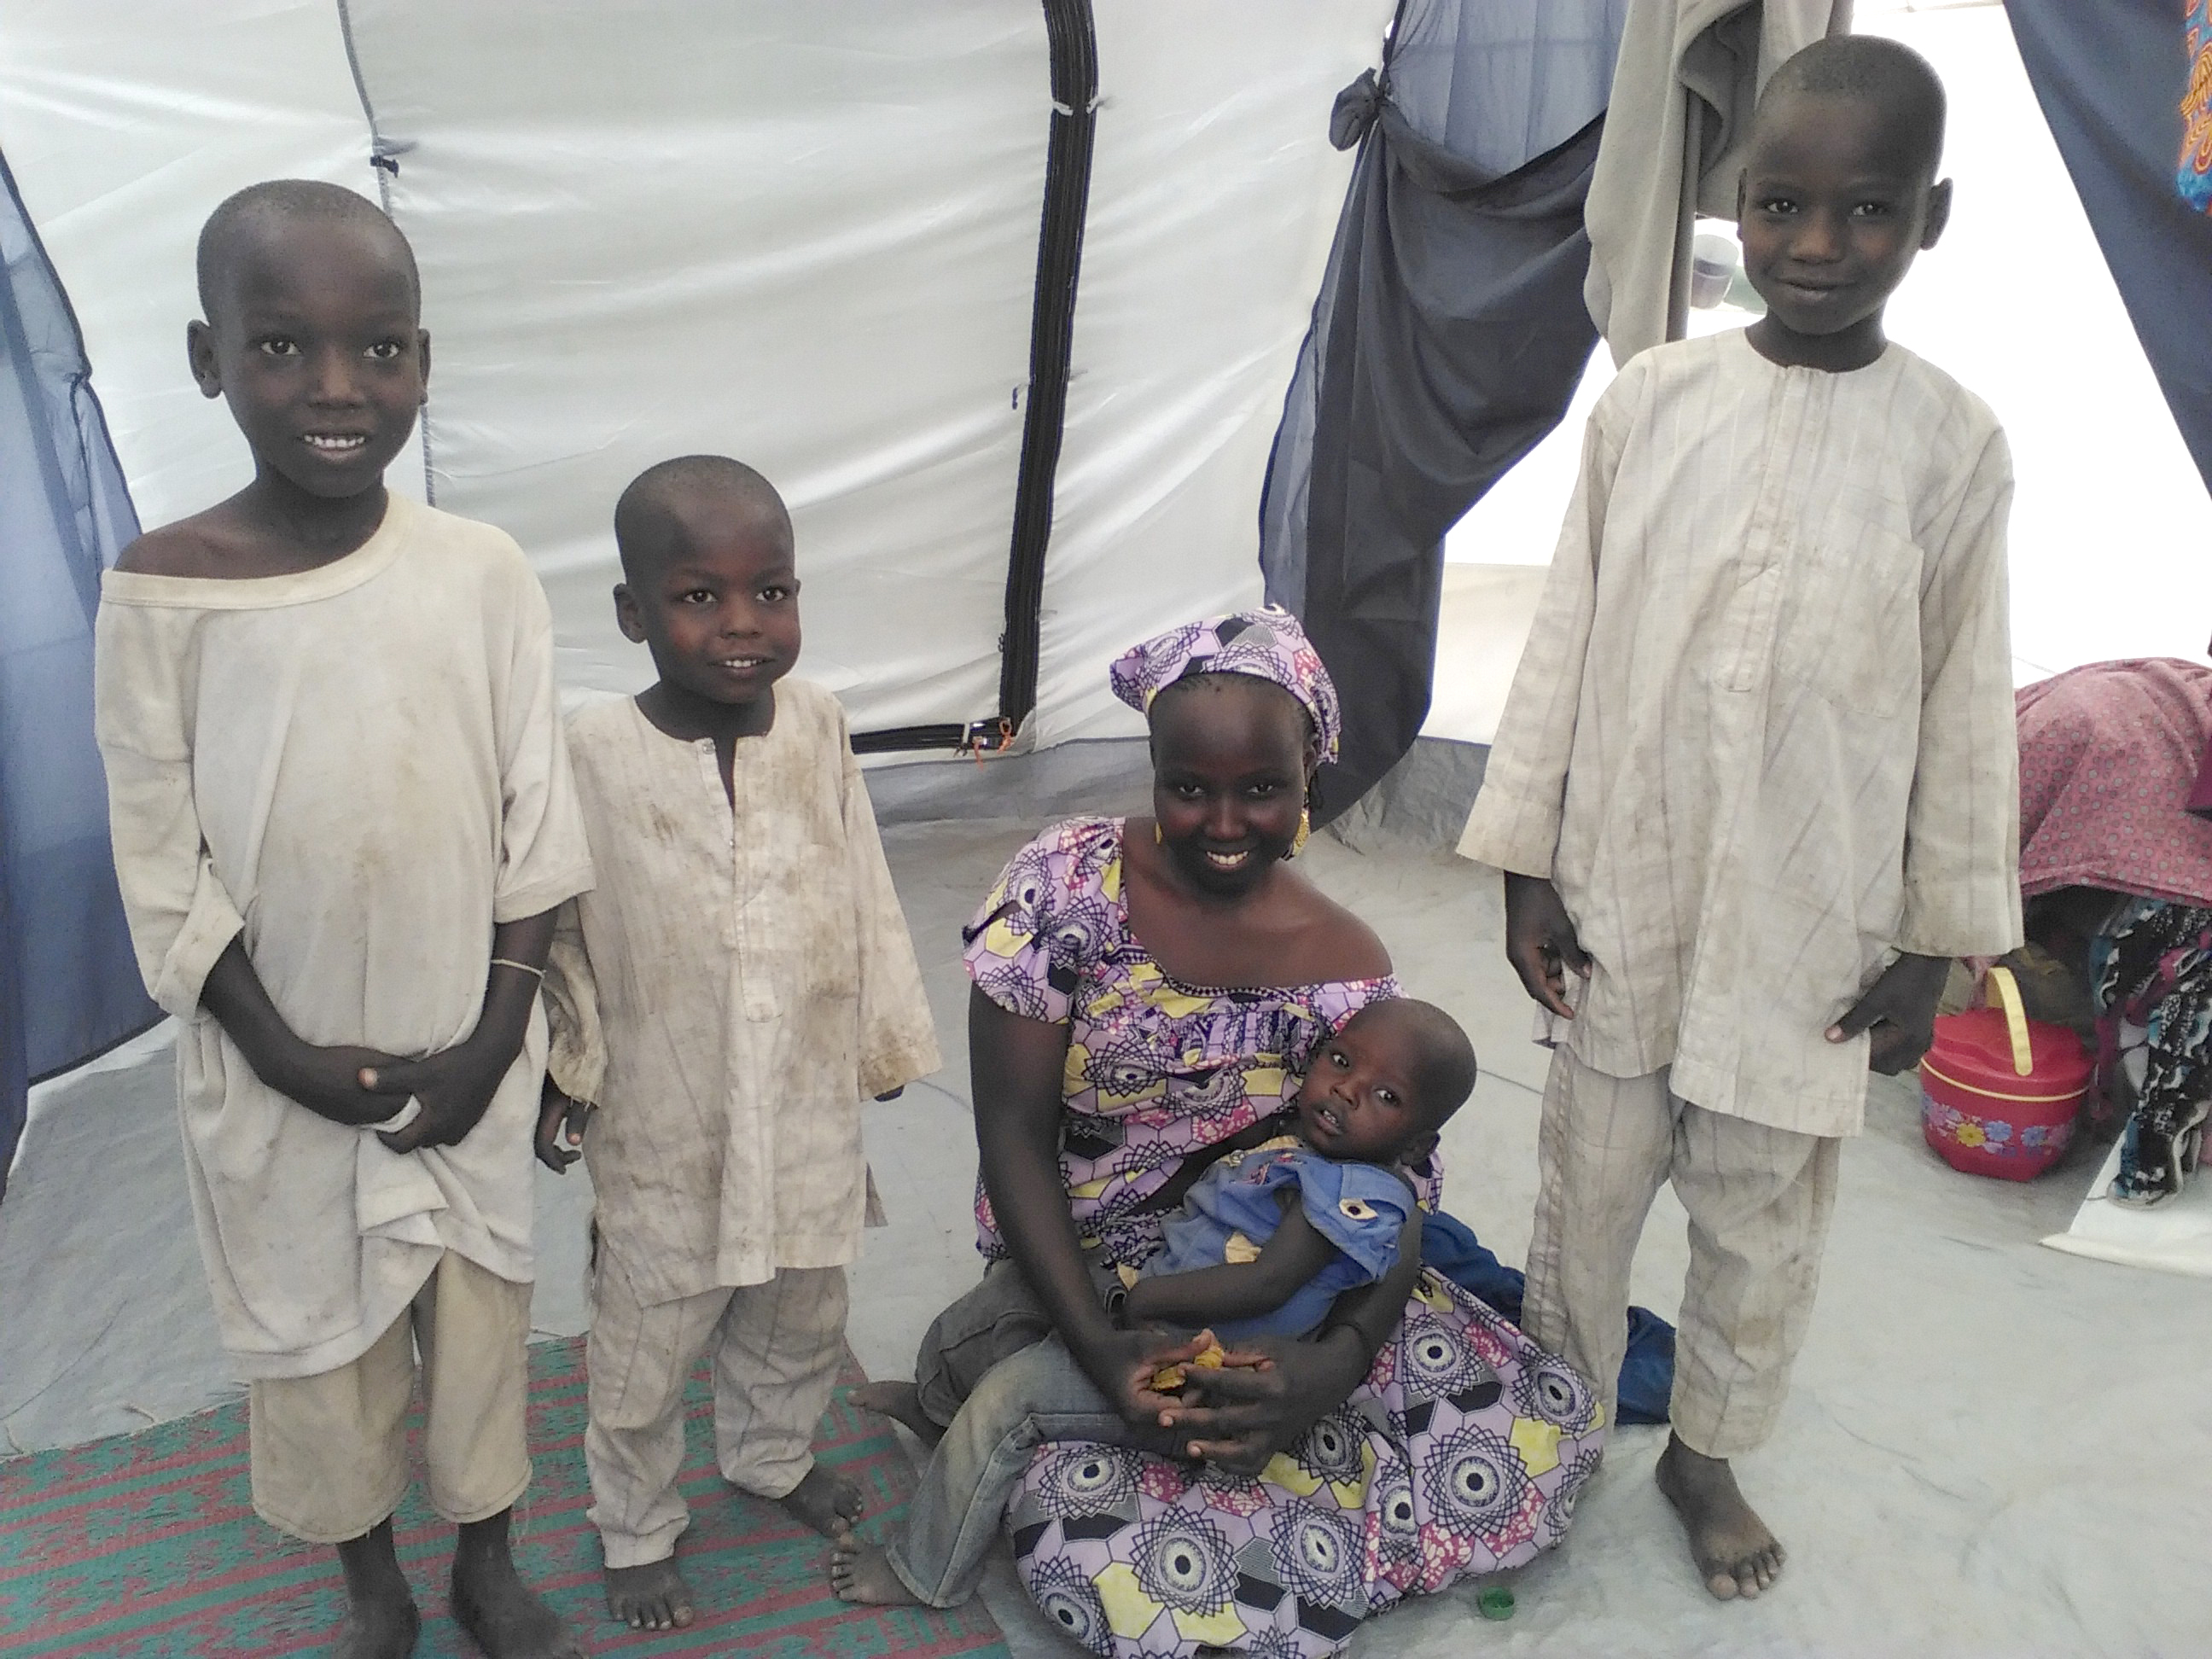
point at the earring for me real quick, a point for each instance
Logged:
(1159, 837)
(1305, 833)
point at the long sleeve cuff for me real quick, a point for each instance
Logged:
(1508, 835)
(576, 1070)
(894, 1063)
(1960, 917)
(1950, 934)
(576, 1048)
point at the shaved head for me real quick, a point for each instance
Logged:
(650, 519)
(248, 222)
(1442, 1059)
(1868, 69)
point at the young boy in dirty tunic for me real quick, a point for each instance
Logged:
(740, 978)
(1755, 781)
(343, 821)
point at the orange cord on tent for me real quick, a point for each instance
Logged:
(987, 738)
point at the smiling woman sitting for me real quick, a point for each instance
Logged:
(1148, 994)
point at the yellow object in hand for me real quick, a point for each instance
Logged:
(1170, 1379)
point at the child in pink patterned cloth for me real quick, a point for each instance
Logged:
(1461, 1449)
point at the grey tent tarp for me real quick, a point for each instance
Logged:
(1447, 338)
(68, 984)
(2111, 78)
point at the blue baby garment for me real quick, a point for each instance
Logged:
(1235, 1208)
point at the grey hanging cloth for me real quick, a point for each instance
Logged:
(1447, 340)
(68, 984)
(2110, 79)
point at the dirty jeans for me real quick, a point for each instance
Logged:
(992, 1368)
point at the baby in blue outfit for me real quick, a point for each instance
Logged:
(1268, 1238)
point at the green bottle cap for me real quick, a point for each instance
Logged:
(1496, 1603)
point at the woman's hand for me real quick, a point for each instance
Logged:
(1269, 1392)
(1123, 1363)
(1540, 942)
(1265, 1397)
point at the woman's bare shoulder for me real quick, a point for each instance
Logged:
(1331, 943)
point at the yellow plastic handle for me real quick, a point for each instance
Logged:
(2023, 1053)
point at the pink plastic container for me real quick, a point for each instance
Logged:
(1999, 1091)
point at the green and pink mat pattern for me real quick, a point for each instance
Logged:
(146, 1547)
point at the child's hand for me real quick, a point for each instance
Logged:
(1540, 942)
(327, 1082)
(454, 1085)
(1899, 1010)
(561, 1122)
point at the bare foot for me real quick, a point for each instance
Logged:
(1738, 1556)
(381, 1622)
(861, 1572)
(492, 1603)
(900, 1401)
(828, 1503)
(378, 1630)
(652, 1597)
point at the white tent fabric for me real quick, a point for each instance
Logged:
(1213, 196)
(1483, 619)
(124, 122)
(804, 235)
(801, 236)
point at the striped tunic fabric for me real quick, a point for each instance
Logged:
(1761, 736)
(741, 978)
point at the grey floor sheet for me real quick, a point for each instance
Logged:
(1993, 1448)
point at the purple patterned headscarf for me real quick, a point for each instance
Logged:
(1266, 644)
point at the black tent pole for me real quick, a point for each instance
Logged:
(1073, 40)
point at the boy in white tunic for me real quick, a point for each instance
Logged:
(740, 979)
(1754, 783)
(343, 821)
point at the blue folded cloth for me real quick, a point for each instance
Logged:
(1647, 1370)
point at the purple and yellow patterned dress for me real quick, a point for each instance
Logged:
(1460, 1454)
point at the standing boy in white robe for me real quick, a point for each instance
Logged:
(1755, 780)
(343, 821)
(740, 978)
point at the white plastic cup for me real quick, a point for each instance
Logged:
(1712, 268)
